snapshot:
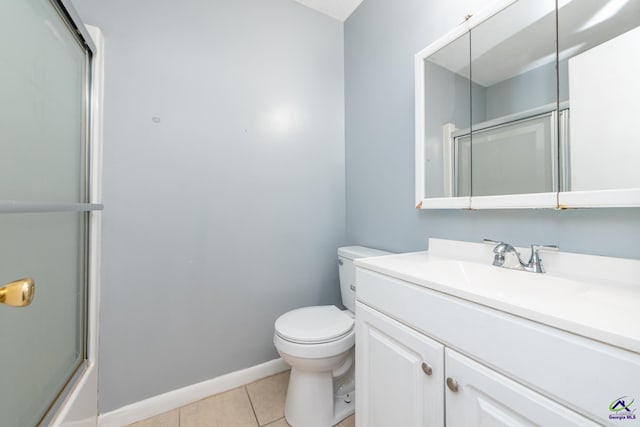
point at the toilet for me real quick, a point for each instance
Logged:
(318, 342)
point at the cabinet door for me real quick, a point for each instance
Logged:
(399, 374)
(485, 398)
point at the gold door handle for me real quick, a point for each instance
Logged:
(18, 293)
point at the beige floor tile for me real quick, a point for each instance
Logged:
(168, 419)
(229, 409)
(280, 423)
(267, 397)
(348, 422)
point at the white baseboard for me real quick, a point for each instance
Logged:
(174, 399)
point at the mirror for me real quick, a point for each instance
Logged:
(551, 90)
(513, 134)
(599, 44)
(447, 108)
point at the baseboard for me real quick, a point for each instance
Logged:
(174, 399)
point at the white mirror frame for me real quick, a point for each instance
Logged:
(557, 200)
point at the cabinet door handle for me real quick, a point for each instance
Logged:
(426, 368)
(452, 384)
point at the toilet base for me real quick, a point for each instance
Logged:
(342, 409)
(306, 404)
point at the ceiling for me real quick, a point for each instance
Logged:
(338, 9)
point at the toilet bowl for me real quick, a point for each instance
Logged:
(318, 342)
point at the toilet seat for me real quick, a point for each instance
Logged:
(314, 332)
(317, 350)
(314, 325)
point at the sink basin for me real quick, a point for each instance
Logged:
(491, 279)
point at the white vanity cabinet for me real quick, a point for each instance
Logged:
(402, 378)
(399, 373)
(488, 367)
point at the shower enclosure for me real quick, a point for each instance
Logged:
(48, 207)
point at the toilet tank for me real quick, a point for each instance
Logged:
(347, 271)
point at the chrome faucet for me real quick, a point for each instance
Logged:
(508, 257)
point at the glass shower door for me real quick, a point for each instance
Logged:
(44, 207)
(42, 344)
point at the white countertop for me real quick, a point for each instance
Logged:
(600, 301)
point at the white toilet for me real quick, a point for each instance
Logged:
(318, 343)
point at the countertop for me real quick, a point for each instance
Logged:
(601, 301)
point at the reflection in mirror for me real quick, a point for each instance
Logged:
(514, 128)
(447, 108)
(599, 44)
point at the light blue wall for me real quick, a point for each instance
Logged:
(228, 212)
(532, 89)
(381, 38)
(442, 108)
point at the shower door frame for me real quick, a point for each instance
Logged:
(78, 402)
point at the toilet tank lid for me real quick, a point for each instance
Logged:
(354, 252)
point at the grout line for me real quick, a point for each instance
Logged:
(251, 403)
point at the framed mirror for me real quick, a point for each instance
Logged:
(551, 92)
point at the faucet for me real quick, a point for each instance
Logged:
(508, 257)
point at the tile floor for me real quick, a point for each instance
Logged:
(255, 405)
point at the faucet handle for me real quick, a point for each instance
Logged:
(544, 247)
(491, 242)
(535, 262)
(500, 249)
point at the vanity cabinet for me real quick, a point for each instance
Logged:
(399, 373)
(486, 367)
(403, 376)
